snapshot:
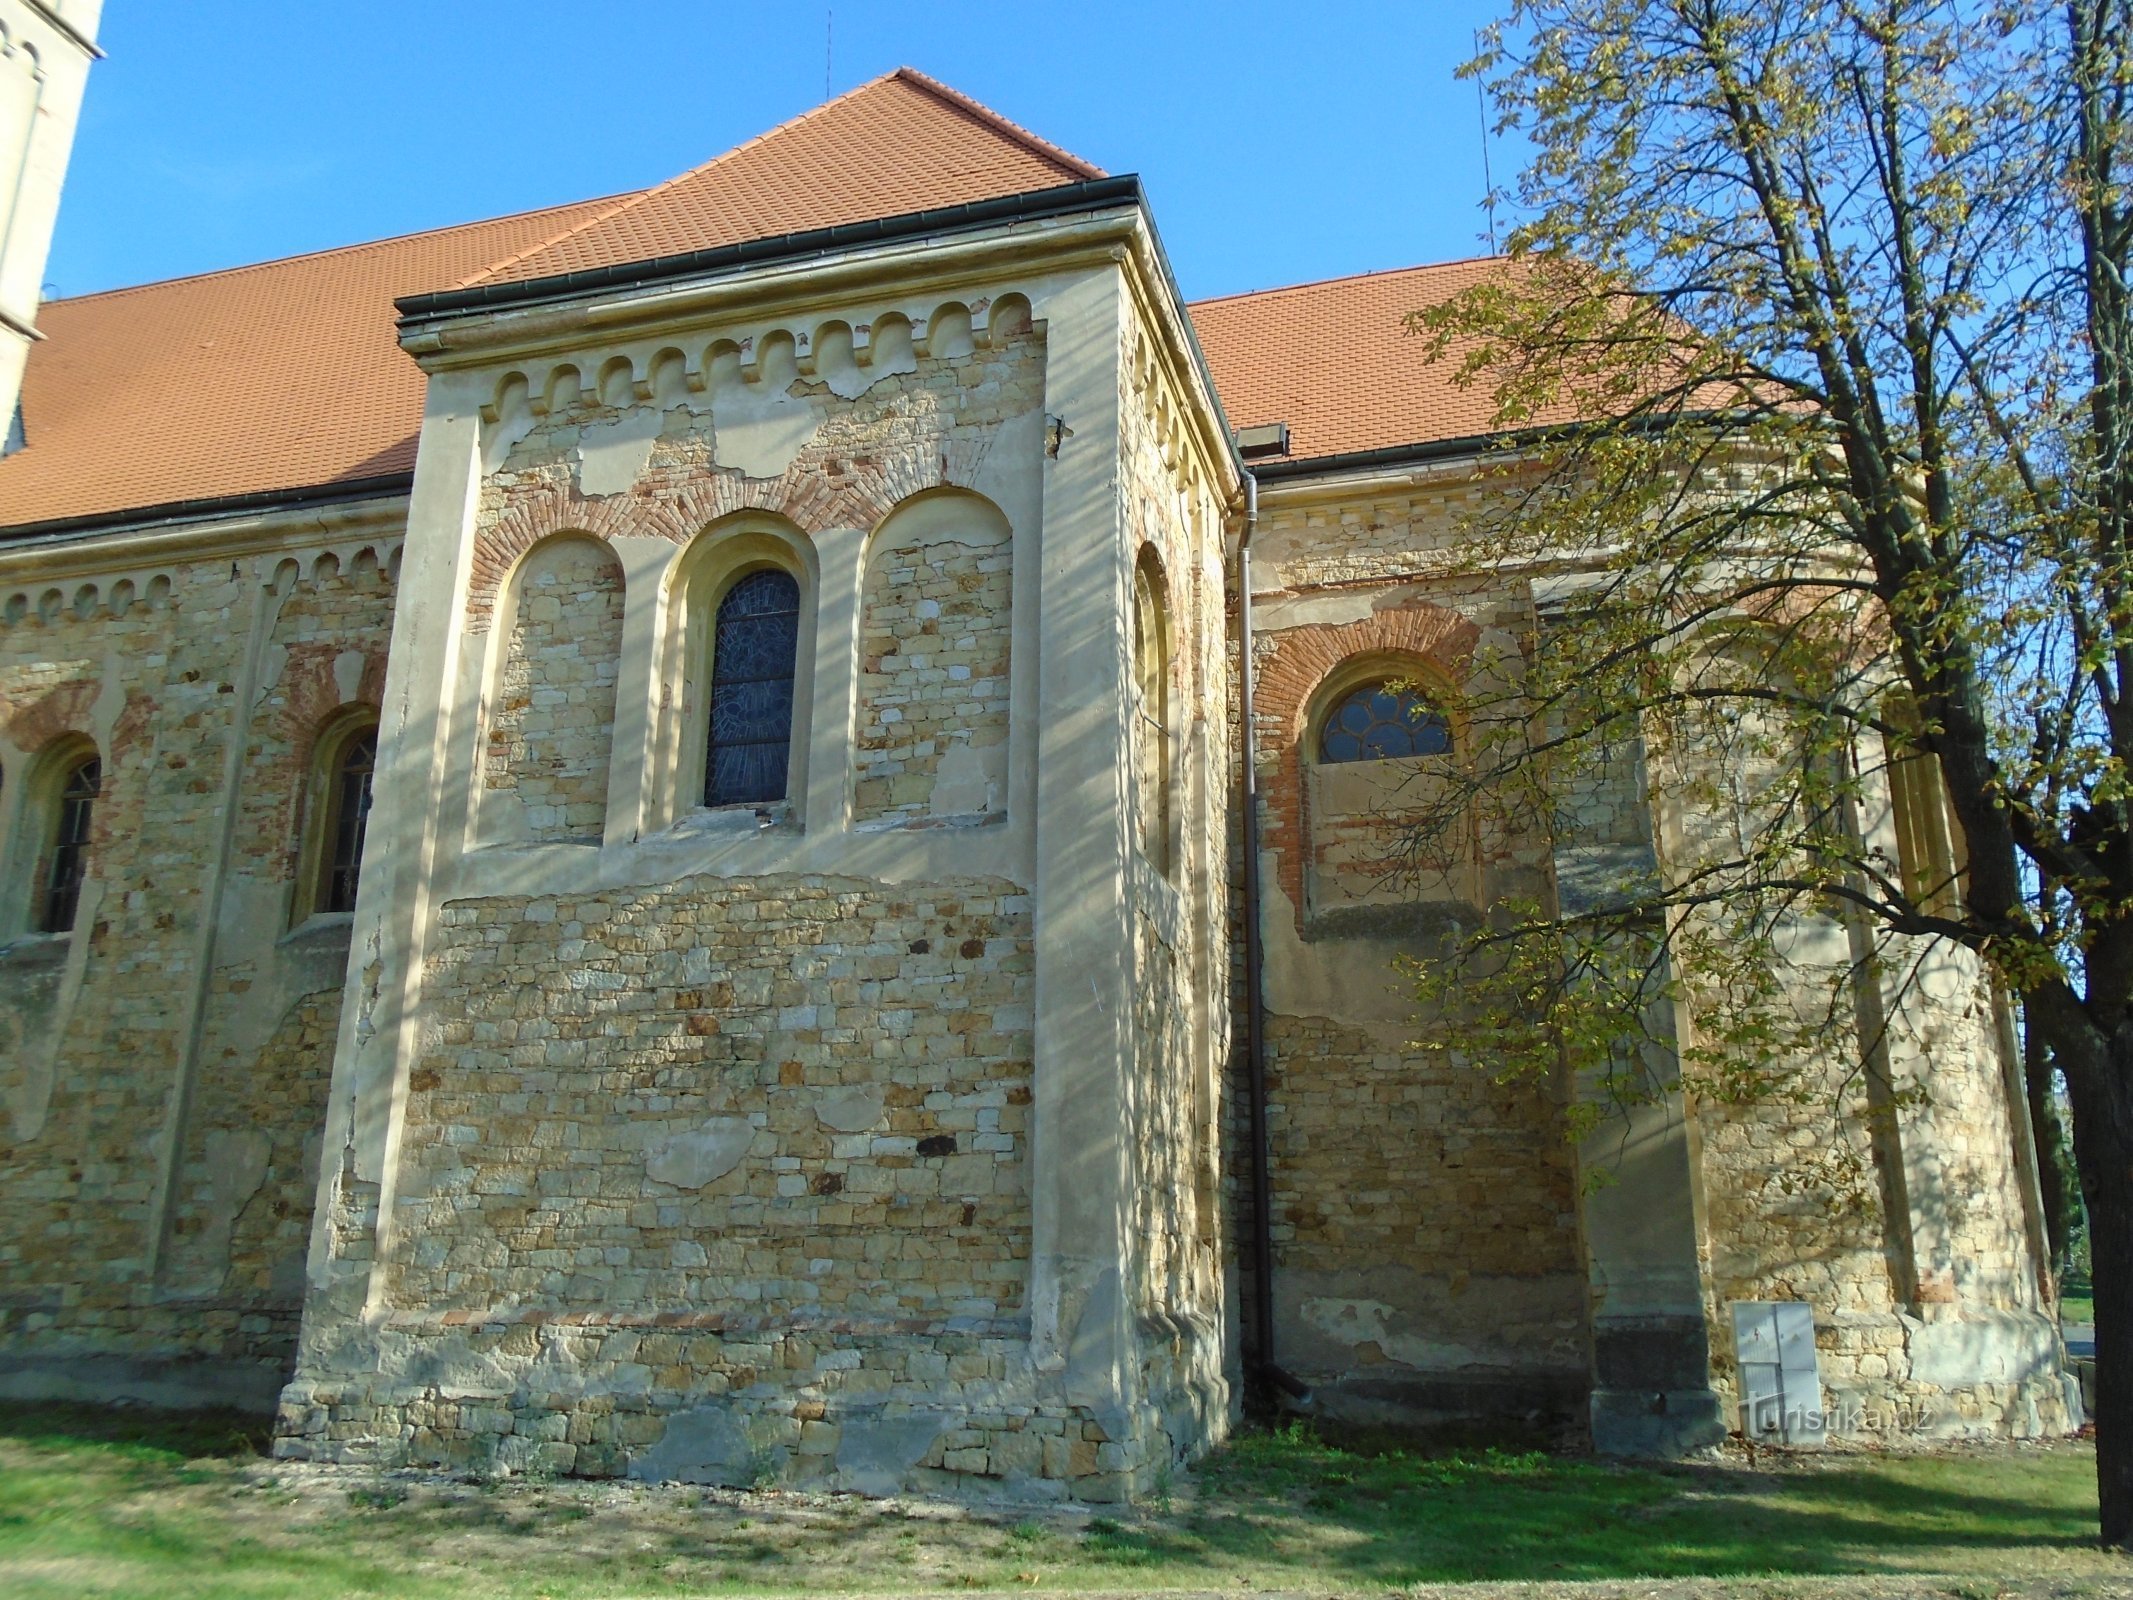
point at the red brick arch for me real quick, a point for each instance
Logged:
(1293, 663)
(62, 709)
(815, 493)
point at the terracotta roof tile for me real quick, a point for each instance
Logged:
(278, 376)
(1334, 360)
(289, 374)
(898, 144)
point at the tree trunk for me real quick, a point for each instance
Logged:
(2050, 1138)
(2102, 1095)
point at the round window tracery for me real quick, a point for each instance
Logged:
(1378, 722)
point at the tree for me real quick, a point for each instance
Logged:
(1814, 369)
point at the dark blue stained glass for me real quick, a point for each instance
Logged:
(1380, 723)
(755, 640)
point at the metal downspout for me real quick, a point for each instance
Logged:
(1267, 1368)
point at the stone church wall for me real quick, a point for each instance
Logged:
(1179, 953)
(936, 622)
(1427, 1253)
(711, 1153)
(552, 728)
(165, 1065)
(782, 1097)
(1434, 1230)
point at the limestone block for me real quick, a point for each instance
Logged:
(852, 1110)
(701, 1156)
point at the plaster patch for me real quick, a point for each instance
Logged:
(875, 1453)
(1006, 470)
(760, 437)
(348, 674)
(1988, 1347)
(1352, 979)
(499, 436)
(848, 381)
(707, 1445)
(1093, 1350)
(691, 1160)
(110, 702)
(1355, 1322)
(612, 456)
(236, 1162)
(968, 780)
(851, 1110)
(37, 1049)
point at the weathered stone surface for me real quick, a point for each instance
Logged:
(691, 1160)
(852, 1110)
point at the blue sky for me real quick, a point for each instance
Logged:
(1279, 143)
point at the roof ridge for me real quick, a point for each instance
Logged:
(1343, 277)
(991, 118)
(624, 202)
(953, 98)
(327, 250)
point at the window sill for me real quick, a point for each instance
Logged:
(30, 952)
(320, 925)
(719, 822)
(925, 822)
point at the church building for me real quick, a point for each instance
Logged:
(622, 852)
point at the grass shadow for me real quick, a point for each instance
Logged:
(1391, 1516)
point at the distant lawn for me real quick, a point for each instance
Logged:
(2077, 1308)
(127, 1504)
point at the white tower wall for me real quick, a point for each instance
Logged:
(46, 47)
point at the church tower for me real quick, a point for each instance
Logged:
(45, 50)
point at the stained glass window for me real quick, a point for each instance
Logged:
(757, 635)
(1378, 722)
(70, 846)
(347, 813)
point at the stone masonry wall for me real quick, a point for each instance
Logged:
(1425, 1222)
(783, 1098)
(120, 1274)
(1178, 869)
(722, 1179)
(552, 729)
(933, 651)
(1899, 1215)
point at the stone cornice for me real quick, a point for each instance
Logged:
(915, 268)
(58, 557)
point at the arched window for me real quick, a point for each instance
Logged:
(345, 782)
(1151, 712)
(754, 647)
(1382, 722)
(67, 851)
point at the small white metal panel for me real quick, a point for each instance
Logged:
(1780, 1385)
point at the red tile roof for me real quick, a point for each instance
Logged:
(1335, 361)
(288, 375)
(278, 376)
(898, 144)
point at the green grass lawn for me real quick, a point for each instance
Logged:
(2077, 1308)
(124, 1504)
